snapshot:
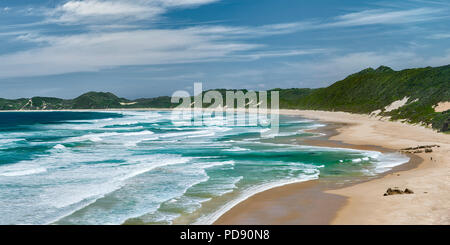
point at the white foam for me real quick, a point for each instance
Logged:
(189, 134)
(124, 123)
(214, 164)
(382, 161)
(97, 137)
(59, 147)
(145, 132)
(143, 114)
(302, 121)
(102, 183)
(285, 134)
(7, 141)
(92, 137)
(210, 219)
(134, 143)
(227, 185)
(236, 148)
(14, 170)
(316, 125)
(387, 161)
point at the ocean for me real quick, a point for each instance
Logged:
(142, 167)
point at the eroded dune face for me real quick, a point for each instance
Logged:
(393, 106)
(442, 106)
(396, 104)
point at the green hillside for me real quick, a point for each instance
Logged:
(90, 100)
(371, 90)
(364, 92)
(97, 100)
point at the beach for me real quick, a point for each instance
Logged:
(427, 174)
(144, 167)
(336, 200)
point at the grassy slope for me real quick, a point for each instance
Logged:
(370, 90)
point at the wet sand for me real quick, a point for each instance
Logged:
(294, 204)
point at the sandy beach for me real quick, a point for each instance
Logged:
(427, 174)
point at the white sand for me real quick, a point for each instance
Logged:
(442, 106)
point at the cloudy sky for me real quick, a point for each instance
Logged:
(146, 48)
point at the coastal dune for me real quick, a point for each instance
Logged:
(363, 203)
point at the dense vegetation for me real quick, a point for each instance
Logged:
(91, 100)
(371, 90)
(363, 92)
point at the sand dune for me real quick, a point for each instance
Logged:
(442, 106)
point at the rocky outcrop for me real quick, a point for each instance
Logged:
(397, 191)
(420, 149)
(446, 126)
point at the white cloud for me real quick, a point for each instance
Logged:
(179, 3)
(91, 52)
(368, 17)
(280, 53)
(444, 59)
(94, 51)
(380, 16)
(95, 11)
(109, 44)
(338, 67)
(257, 31)
(440, 36)
(94, 7)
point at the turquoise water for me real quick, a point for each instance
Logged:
(109, 167)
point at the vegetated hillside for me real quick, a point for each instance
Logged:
(97, 100)
(90, 100)
(288, 98)
(371, 90)
(367, 91)
(158, 102)
(36, 103)
(292, 98)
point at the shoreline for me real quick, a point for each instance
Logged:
(364, 201)
(319, 202)
(315, 206)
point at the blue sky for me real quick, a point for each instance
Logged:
(147, 48)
